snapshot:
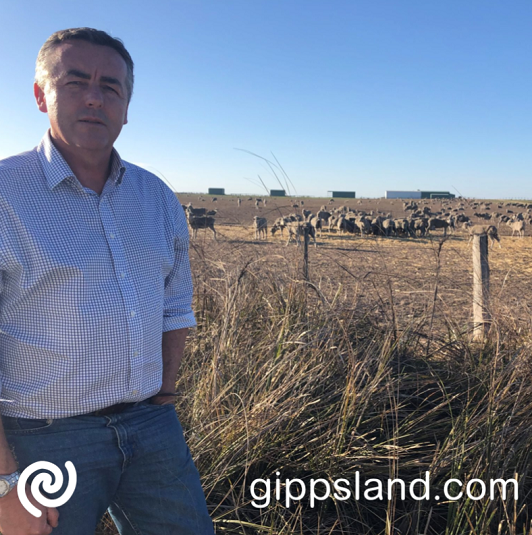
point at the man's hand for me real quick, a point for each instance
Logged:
(173, 347)
(15, 520)
(162, 400)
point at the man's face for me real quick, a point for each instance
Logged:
(85, 97)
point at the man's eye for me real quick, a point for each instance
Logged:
(109, 88)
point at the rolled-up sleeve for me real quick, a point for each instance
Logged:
(178, 313)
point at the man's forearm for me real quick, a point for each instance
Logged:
(173, 348)
(14, 517)
(7, 462)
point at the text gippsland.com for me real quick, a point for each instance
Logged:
(288, 491)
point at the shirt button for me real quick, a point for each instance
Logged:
(112, 236)
(135, 392)
(132, 313)
(122, 275)
(135, 353)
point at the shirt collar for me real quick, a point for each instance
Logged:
(56, 169)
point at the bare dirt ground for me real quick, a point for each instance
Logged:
(419, 276)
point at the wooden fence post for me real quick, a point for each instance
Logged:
(481, 287)
(305, 254)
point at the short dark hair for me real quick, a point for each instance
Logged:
(96, 37)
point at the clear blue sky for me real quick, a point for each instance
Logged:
(362, 95)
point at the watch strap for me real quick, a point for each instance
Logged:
(11, 480)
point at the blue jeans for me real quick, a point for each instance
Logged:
(136, 464)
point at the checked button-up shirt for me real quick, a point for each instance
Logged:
(88, 285)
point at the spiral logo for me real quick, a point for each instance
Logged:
(46, 480)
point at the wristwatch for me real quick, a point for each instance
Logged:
(8, 482)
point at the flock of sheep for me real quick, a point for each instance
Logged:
(419, 220)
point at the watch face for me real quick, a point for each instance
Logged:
(4, 487)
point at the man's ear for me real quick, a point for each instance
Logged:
(125, 116)
(40, 98)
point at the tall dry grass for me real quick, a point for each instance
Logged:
(289, 377)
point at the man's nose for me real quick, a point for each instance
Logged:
(94, 96)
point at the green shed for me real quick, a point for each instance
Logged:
(437, 195)
(343, 194)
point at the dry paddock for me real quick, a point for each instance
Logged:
(417, 276)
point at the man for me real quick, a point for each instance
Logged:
(95, 304)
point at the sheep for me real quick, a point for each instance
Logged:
(296, 229)
(331, 222)
(388, 227)
(239, 202)
(490, 230)
(452, 223)
(324, 214)
(275, 227)
(202, 221)
(260, 224)
(295, 217)
(344, 224)
(279, 224)
(421, 226)
(402, 226)
(195, 211)
(517, 226)
(364, 225)
(376, 226)
(435, 223)
(306, 214)
(317, 223)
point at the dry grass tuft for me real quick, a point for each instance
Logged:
(325, 379)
